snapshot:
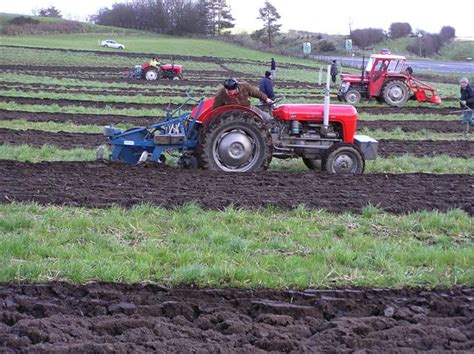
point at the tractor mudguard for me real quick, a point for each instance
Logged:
(208, 114)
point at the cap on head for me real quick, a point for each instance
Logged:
(231, 83)
(334, 61)
(268, 73)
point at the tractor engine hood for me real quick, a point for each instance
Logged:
(311, 112)
(175, 67)
(353, 78)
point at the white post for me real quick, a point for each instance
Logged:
(326, 99)
(320, 80)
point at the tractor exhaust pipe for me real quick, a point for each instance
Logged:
(326, 102)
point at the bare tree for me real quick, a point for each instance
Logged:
(269, 15)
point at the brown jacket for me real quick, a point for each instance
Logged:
(243, 98)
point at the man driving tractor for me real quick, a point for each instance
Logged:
(235, 92)
(155, 62)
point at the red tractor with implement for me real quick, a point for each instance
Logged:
(387, 79)
(150, 72)
(235, 138)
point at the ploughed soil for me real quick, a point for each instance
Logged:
(65, 140)
(106, 317)
(104, 184)
(445, 126)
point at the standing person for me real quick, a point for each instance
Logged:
(467, 103)
(273, 68)
(235, 92)
(266, 85)
(334, 71)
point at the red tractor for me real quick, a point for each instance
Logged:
(386, 78)
(147, 71)
(236, 138)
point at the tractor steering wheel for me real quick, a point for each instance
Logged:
(277, 99)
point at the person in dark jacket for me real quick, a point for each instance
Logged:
(467, 94)
(334, 71)
(273, 68)
(235, 92)
(266, 85)
(467, 103)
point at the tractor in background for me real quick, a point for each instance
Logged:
(150, 72)
(235, 138)
(387, 79)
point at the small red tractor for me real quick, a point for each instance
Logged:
(147, 71)
(235, 138)
(386, 78)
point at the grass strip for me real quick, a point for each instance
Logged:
(235, 248)
(400, 164)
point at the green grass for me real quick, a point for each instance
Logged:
(458, 50)
(148, 43)
(404, 117)
(423, 134)
(235, 248)
(397, 133)
(231, 248)
(56, 127)
(54, 108)
(400, 164)
(93, 98)
(45, 153)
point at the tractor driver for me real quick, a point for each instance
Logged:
(235, 92)
(155, 62)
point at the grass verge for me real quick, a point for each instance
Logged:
(235, 248)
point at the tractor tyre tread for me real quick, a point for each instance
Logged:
(227, 118)
(333, 148)
(385, 92)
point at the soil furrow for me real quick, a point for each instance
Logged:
(103, 184)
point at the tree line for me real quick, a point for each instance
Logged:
(214, 18)
(174, 17)
(184, 17)
(426, 43)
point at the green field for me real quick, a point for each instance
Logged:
(228, 248)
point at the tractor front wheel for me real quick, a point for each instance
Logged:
(352, 96)
(343, 158)
(235, 142)
(151, 75)
(395, 93)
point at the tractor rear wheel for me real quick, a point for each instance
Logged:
(352, 96)
(395, 93)
(312, 164)
(235, 142)
(343, 158)
(151, 74)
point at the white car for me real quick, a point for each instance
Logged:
(110, 43)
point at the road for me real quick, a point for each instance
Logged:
(417, 65)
